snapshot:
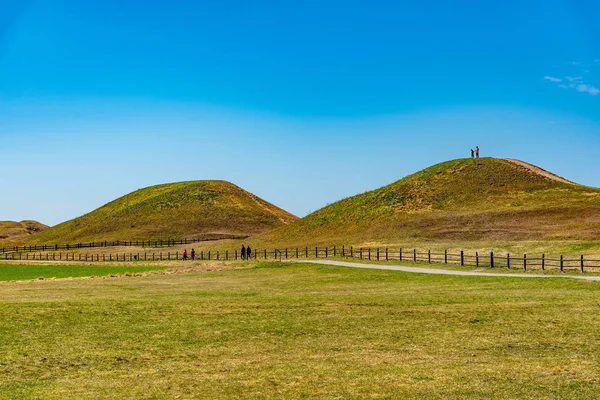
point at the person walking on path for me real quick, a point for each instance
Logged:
(185, 254)
(472, 153)
(243, 252)
(193, 254)
(248, 253)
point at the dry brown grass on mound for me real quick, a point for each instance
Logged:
(11, 231)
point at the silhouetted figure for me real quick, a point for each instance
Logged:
(193, 254)
(472, 153)
(477, 151)
(248, 253)
(243, 252)
(185, 254)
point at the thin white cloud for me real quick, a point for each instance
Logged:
(578, 83)
(552, 79)
(583, 88)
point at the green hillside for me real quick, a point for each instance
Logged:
(464, 199)
(11, 230)
(173, 211)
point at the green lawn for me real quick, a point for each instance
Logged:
(13, 272)
(300, 331)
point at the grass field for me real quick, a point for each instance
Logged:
(299, 331)
(12, 272)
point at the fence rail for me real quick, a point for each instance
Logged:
(489, 259)
(114, 243)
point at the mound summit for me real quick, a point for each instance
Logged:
(195, 209)
(464, 199)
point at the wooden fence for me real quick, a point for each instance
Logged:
(115, 243)
(475, 259)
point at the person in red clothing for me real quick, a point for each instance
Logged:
(193, 254)
(477, 151)
(185, 254)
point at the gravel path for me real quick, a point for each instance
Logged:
(440, 271)
(539, 171)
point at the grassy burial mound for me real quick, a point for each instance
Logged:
(205, 209)
(459, 200)
(12, 230)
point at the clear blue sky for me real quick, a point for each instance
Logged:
(301, 102)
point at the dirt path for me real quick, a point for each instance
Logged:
(538, 170)
(439, 271)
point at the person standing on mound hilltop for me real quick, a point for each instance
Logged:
(477, 151)
(243, 252)
(472, 153)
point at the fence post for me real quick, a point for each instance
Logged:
(491, 258)
(582, 263)
(543, 261)
(286, 254)
(306, 251)
(524, 262)
(386, 254)
(334, 251)
(369, 253)
(428, 256)
(361, 253)
(477, 259)
(326, 252)
(445, 256)
(316, 252)
(265, 254)
(343, 251)
(378, 254)
(226, 254)
(400, 255)
(217, 254)
(508, 260)
(462, 257)
(415, 255)
(351, 252)
(296, 253)
(209, 254)
(561, 263)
